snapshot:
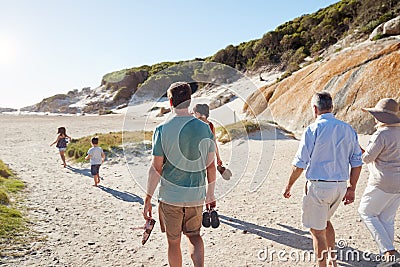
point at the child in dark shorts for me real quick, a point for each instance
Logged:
(97, 157)
(94, 169)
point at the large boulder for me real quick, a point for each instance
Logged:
(388, 28)
(356, 77)
(392, 27)
(378, 31)
(125, 83)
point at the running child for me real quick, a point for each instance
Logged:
(61, 143)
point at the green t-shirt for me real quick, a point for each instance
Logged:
(184, 142)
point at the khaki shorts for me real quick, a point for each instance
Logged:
(320, 202)
(175, 219)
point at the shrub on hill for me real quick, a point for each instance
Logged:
(309, 34)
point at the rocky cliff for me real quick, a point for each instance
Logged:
(115, 91)
(356, 77)
(124, 84)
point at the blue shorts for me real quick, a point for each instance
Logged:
(94, 169)
(62, 148)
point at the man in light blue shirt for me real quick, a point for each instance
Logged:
(331, 155)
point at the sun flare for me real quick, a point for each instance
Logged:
(7, 51)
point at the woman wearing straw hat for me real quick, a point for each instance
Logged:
(381, 198)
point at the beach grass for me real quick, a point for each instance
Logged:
(112, 142)
(11, 219)
(236, 130)
(109, 142)
(11, 184)
(4, 170)
(11, 222)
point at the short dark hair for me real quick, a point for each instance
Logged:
(323, 101)
(203, 109)
(180, 93)
(95, 140)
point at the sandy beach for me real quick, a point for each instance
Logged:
(82, 225)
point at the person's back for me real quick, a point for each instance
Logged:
(185, 143)
(381, 198)
(327, 150)
(385, 173)
(183, 156)
(96, 155)
(333, 146)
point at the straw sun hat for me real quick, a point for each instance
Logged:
(386, 111)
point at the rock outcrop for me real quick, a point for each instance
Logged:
(356, 77)
(7, 110)
(115, 92)
(59, 103)
(125, 84)
(392, 27)
(388, 28)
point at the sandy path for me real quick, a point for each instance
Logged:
(64, 205)
(90, 226)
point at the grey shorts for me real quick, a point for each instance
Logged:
(94, 169)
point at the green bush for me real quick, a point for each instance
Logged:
(284, 76)
(123, 93)
(77, 149)
(371, 26)
(4, 199)
(300, 54)
(236, 130)
(11, 220)
(4, 170)
(314, 32)
(11, 184)
(377, 37)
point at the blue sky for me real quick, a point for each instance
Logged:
(53, 46)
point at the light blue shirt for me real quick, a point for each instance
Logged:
(327, 149)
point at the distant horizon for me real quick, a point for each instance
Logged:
(49, 48)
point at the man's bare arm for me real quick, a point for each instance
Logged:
(350, 194)
(296, 172)
(152, 182)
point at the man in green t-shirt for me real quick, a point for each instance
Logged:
(183, 156)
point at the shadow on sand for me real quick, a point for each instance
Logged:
(85, 172)
(297, 239)
(294, 239)
(124, 196)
